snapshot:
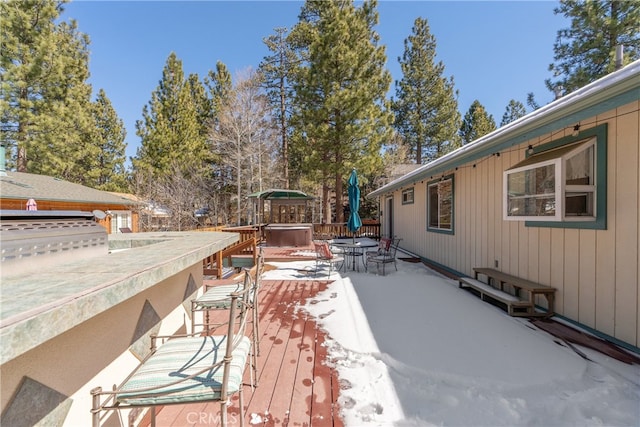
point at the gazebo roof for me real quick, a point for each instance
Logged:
(280, 194)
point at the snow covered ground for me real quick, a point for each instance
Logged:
(412, 349)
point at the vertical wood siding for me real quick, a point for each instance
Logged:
(595, 272)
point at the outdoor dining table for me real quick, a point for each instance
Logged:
(354, 250)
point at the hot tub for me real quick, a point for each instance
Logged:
(289, 234)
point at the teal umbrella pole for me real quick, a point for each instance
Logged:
(354, 223)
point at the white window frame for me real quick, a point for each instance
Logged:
(561, 189)
(439, 227)
(120, 219)
(406, 200)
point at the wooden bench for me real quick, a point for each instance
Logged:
(532, 288)
(515, 306)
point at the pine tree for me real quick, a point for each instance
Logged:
(203, 103)
(45, 100)
(476, 123)
(340, 104)
(513, 112)
(170, 131)
(219, 85)
(109, 173)
(531, 101)
(426, 108)
(586, 51)
(276, 70)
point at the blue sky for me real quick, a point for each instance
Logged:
(495, 50)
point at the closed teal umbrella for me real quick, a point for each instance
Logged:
(354, 223)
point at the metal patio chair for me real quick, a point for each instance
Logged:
(386, 254)
(325, 256)
(217, 297)
(187, 368)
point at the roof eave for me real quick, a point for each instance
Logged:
(597, 97)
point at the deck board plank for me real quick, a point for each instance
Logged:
(322, 404)
(296, 387)
(277, 335)
(284, 395)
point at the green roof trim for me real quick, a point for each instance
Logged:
(279, 194)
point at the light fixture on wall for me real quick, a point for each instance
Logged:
(576, 130)
(530, 150)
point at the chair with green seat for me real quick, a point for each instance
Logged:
(217, 297)
(187, 368)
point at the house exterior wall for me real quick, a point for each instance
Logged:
(57, 205)
(596, 272)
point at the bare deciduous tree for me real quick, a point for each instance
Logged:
(243, 138)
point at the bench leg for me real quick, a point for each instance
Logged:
(550, 304)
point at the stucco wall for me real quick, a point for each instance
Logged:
(101, 351)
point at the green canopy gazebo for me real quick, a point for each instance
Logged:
(284, 207)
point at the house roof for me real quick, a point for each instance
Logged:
(402, 169)
(618, 88)
(20, 185)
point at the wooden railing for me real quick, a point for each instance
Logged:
(214, 264)
(246, 245)
(251, 236)
(330, 230)
(340, 230)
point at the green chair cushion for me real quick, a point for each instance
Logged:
(218, 296)
(179, 358)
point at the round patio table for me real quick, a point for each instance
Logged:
(352, 251)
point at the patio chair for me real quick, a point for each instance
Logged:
(217, 297)
(383, 246)
(386, 254)
(325, 256)
(186, 369)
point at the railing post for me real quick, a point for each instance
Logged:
(219, 264)
(95, 406)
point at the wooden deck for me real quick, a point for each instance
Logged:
(295, 385)
(283, 254)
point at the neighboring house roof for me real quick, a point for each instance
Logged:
(151, 208)
(618, 88)
(402, 169)
(128, 196)
(20, 185)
